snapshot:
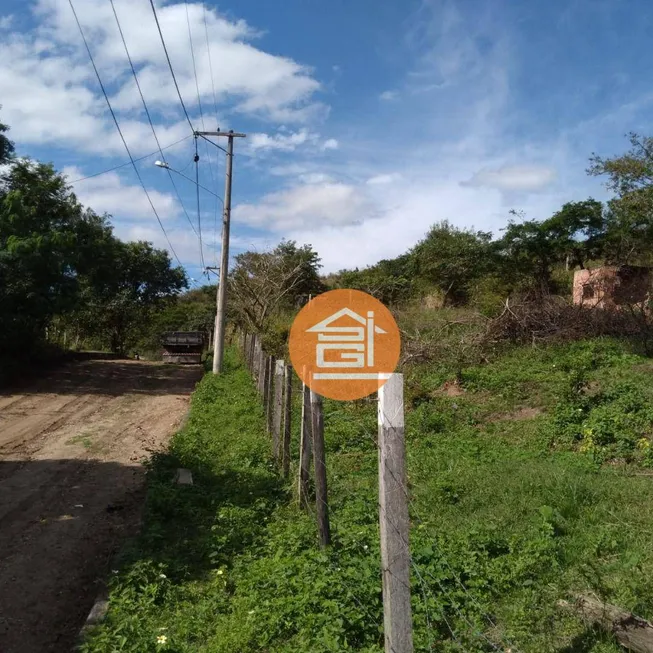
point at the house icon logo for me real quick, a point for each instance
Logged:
(344, 344)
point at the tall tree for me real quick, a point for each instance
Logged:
(41, 229)
(265, 284)
(60, 260)
(121, 299)
(452, 259)
(629, 222)
(6, 146)
(529, 250)
(577, 232)
(390, 280)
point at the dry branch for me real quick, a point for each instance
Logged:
(633, 633)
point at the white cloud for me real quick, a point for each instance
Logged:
(388, 178)
(519, 178)
(6, 21)
(388, 96)
(281, 141)
(109, 193)
(315, 178)
(408, 210)
(286, 141)
(290, 170)
(306, 206)
(50, 94)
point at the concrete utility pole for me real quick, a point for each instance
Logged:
(218, 343)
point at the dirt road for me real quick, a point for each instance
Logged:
(71, 487)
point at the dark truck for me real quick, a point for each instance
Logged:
(184, 347)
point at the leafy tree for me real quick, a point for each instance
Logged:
(44, 235)
(139, 283)
(629, 222)
(307, 263)
(6, 146)
(577, 232)
(452, 259)
(61, 265)
(267, 284)
(389, 280)
(527, 255)
(529, 250)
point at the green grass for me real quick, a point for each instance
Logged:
(511, 511)
(83, 438)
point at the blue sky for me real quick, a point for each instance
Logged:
(367, 121)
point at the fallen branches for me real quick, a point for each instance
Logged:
(553, 318)
(633, 633)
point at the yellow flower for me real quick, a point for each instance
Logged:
(161, 639)
(643, 443)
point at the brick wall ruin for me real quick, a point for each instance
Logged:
(613, 287)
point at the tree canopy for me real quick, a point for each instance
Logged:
(629, 218)
(265, 284)
(61, 267)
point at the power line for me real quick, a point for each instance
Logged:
(192, 54)
(172, 72)
(150, 118)
(122, 138)
(215, 218)
(147, 113)
(208, 50)
(128, 163)
(199, 213)
(199, 102)
(212, 143)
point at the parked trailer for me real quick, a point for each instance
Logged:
(183, 347)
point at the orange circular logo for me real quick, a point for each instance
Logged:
(344, 344)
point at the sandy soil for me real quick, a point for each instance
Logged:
(71, 487)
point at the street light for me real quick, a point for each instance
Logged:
(166, 166)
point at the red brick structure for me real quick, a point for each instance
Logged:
(613, 287)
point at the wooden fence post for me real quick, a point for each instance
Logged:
(319, 464)
(257, 359)
(305, 448)
(277, 409)
(269, 397)
(262, 360)
(264, 385)
(394, 520)
(287, 416)
(250, 352)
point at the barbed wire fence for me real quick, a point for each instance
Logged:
(273, 381)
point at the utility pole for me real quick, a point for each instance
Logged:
(218, 343)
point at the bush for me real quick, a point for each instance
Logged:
(616, 424)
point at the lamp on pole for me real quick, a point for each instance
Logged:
(167, 166)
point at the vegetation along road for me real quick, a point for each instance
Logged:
(71, 480)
